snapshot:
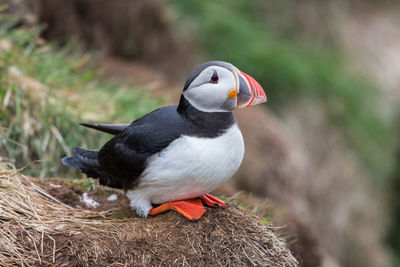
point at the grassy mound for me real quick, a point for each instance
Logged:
(37, 228)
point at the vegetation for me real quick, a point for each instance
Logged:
(45, 93)
(292, 69)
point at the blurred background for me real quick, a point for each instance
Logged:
(323, 154)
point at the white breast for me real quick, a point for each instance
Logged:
(192, 166)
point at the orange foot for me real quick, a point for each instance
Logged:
(192, 209)
(211, 201)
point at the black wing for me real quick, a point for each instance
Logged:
(108, 128)
(125, 156)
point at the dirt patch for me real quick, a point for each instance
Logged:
(66, 194)
(70, 192)
(38, 229)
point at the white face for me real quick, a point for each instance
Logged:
(208, 94)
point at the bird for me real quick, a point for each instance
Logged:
(173, 157)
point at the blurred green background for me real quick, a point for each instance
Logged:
(332, 58)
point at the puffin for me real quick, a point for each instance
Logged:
(173, 157)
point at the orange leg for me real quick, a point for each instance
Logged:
(192, 209)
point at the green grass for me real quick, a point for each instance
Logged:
(291, 69)
(45, 92)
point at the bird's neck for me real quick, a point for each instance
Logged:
(206, 120)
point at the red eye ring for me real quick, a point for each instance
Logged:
(214, 78)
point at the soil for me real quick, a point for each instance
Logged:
(69, 192)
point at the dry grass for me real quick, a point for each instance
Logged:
(29, 216)
(36, 228)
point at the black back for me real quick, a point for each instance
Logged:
(124, 158)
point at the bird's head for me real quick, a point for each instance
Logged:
(218, 86)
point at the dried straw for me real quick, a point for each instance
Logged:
(28, 212)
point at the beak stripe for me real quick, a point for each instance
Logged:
(257, 93)
(254, 86)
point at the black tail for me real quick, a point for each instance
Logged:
(85, 160)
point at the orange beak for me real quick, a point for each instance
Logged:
(250, 91)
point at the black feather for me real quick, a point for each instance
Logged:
(121, 161)
(85, 160)
(87, 157)
(72, 162)
(107, 128)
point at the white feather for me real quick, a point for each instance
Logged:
(112, 197)
(189, 167)
(89, 202)
(209, 97)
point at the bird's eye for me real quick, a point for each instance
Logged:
(214, 78)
